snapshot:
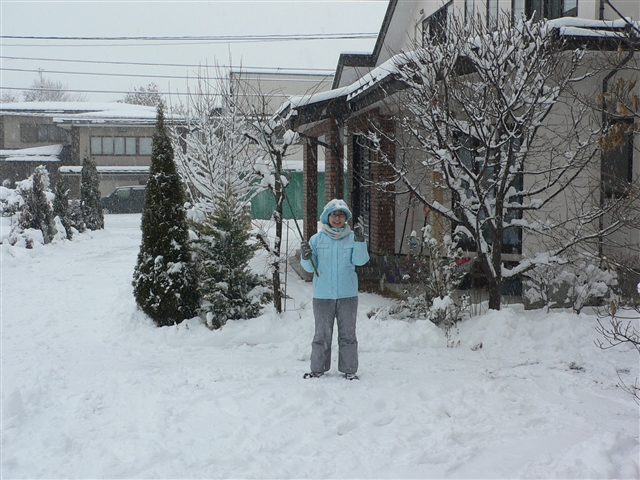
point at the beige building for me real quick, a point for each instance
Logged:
(59, 135)
(365, 90)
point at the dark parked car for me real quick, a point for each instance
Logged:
(124, 200)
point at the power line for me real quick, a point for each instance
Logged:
(96, 74)
(182, 65)
(173, 41)
(144, 75)
(70, 90)
(208, 38)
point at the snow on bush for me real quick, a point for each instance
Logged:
(588, 283)
(432, 269)
(555, 285)
(28, 210)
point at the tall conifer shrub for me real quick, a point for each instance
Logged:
(90, 196)
(231, 290)
(37, 212)
(165, 279)
(61, 207)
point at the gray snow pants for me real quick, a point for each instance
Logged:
(344, 310)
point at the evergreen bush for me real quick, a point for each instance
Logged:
(230, 289)
(165, 278)
(75, 215)
(91, 200)
(36, 211)
(61, 207)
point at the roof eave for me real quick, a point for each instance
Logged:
(366, 60)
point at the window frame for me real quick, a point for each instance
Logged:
(493, 11)
(610, 178)
(544, 9)
(119, 146)
(435, 26)
(140, 144)
(469, 11)
(469, 145)
(43, 133)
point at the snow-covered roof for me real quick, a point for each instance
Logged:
(47, 153)
(83, 112)
(567, 27)
(350, 91)
(582, 27)
(108, 169)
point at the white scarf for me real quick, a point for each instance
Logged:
(336, 233)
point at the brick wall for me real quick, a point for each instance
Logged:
(382, 235)
(333, 172)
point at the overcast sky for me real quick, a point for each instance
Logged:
(208, 18)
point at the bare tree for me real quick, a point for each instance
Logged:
(46, 90)
(488, 121)
(272, 140)
(620, 331)
(211, 146)
(10, 96)
(220, 148)
(148, 96)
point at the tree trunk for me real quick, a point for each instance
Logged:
(493, 279)
(495, 298)
(277, 245)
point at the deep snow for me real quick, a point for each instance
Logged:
(91, 389)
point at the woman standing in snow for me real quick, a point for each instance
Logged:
(332, 255)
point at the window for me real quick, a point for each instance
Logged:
(120, 145)
(96, 145)
(361, 193)
(434, 28)
(469, 11)
(548, 9)
(471, 153)
(492, 13)
(30, 133)
(130, 145)
(617, 163)
(145, 146)
(570, 8)
(107, 145)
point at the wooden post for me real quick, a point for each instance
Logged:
(333, 171)
(310, 188)
(383, 212)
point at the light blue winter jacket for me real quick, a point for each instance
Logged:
(335, 260)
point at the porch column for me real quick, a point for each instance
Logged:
(310, 187)
(333, 178)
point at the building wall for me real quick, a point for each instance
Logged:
(405, 29)
(76, 139)
(265, 92)
(20, 132)
(11, 134)
(84, 147)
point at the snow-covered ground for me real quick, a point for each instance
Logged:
(91, 389)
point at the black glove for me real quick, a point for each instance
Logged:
(358, 231)
(305, 251)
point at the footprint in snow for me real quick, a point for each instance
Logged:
(346, 426)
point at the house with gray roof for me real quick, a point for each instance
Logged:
(364, 95)
(117, 136)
